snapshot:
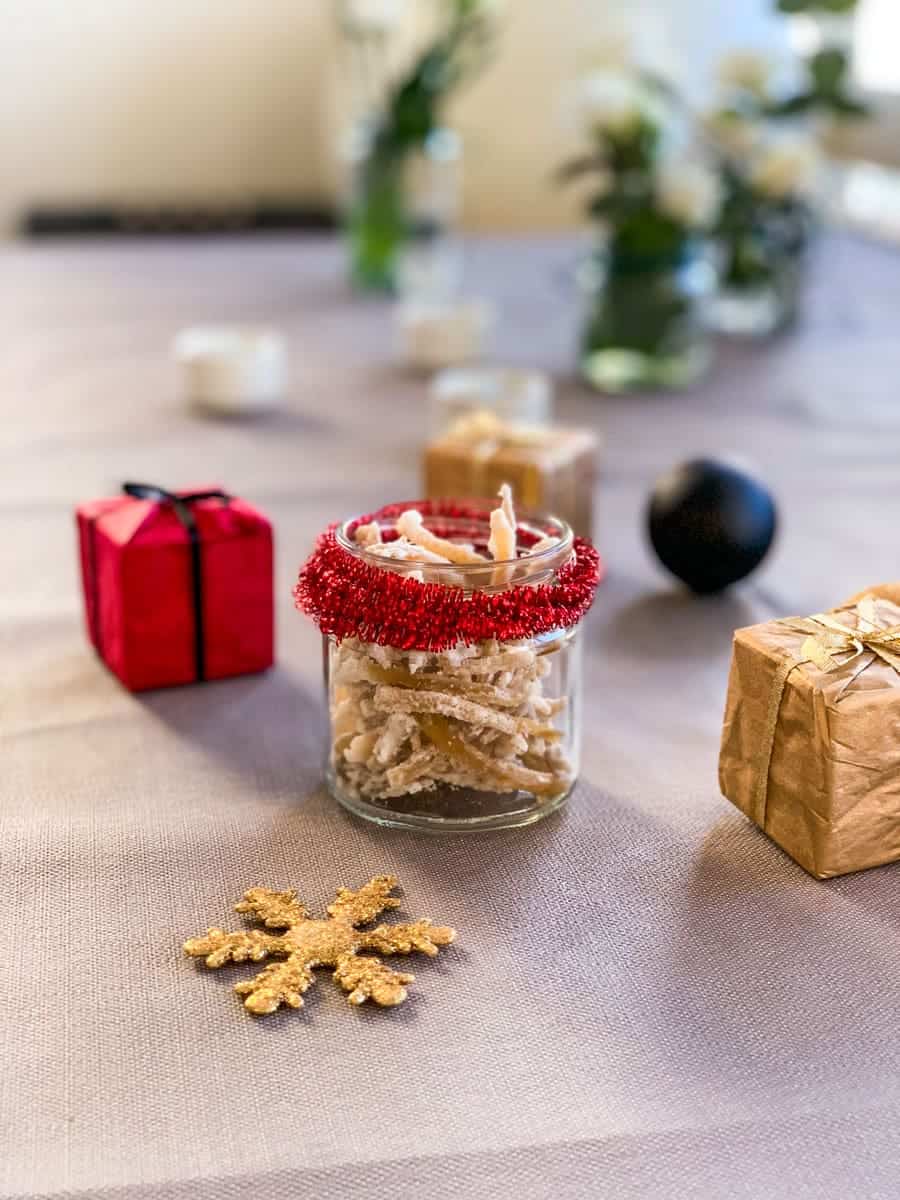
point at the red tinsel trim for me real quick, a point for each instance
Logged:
(348, 597)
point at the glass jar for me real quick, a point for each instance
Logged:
(813, 27)
(401, 213)
(646, 324)
(480, 736)
(763, 273)
(514, 395)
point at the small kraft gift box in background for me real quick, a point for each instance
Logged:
(811, 739)
(550, 469)
(177, 585)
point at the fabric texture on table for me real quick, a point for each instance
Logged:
(646, 999)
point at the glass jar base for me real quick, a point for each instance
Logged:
(748, 313)
(619, 370)
(452, 810)
(370, 274)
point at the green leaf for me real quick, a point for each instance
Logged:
(792, 7)
(602, 207)
(575, 168)
(413, 107)
(792, 106)
(828, 69)
(848, 106)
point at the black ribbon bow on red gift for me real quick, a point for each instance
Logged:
(181, 505)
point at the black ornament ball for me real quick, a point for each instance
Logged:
(710, 523)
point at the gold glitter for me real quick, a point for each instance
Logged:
(307, 943)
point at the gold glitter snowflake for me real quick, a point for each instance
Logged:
(308, 943)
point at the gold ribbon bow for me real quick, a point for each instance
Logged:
(486, 430)
(486, 434)
(830, 646)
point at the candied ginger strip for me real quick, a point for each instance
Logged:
(398, 730)
(417, 765)
(502, 543)
(393, 699)
(368, 535)
(522, 659)
(407, 551)
(482, 693)
(491, 772)
(535, 729)
(361, 747)
(506, 503)
(410, 526)
(546, 763)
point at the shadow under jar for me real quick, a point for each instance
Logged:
(477, 734)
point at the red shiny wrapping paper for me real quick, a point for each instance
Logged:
(136, 570)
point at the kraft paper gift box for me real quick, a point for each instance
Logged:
(177, 586)
(811, 738)
(551, 470)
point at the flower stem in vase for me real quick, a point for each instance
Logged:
(377, 227)
(403, 126)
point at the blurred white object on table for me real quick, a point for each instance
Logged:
(514, 395)
(865, 197)
(434, 333)
(232, 369)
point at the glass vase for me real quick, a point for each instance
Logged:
(402, 212)
(763, 272)
(646, 325)
(481, 736)
(812, 31)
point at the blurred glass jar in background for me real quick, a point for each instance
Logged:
(763, 273)
(403, 162)
(514, 395)
(765, 230)
(646, 323)
(401, 213)
(652, 205)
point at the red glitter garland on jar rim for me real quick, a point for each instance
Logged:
(348, 597)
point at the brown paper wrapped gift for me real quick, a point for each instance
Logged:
(551, 470)
(811, 741)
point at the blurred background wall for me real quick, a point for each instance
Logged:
(161, 100)
(216, 101)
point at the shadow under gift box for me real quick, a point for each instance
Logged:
(812, 755)
(161, 613)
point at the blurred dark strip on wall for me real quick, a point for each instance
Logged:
(112, 221)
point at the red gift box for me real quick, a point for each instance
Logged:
(177, 586)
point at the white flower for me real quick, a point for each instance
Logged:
(613, 103)
(788, 167)
(749, 70)
(689, 193)
(632, 42)
(734, 133)
(371, 17)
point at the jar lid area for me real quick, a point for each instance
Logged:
(530, 567)
(351, 592)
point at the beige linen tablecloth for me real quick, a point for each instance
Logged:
(647, 998)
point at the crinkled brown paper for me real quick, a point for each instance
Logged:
(550, 471)
(831, 795)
